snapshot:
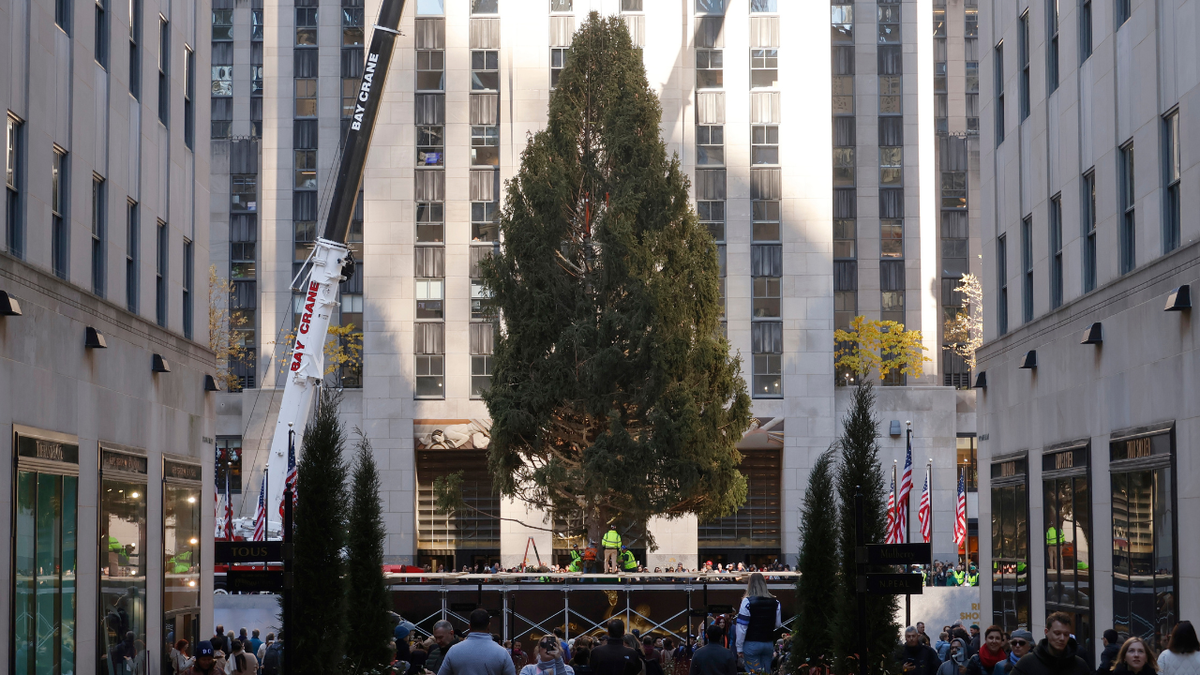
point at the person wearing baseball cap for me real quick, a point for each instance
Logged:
(205, 663)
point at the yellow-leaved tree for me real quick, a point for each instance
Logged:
(223, 335)
(880, 346)
(964, 331)
(343, 349)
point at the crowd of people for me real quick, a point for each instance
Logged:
(948, 573)
(228, 654)
(962, 651)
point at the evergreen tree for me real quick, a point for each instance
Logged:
(817, 587)
(860, 471)
(366, 593)
(317, 632)
(613, 395)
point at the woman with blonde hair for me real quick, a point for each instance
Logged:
(1135, 658)
(758, 618)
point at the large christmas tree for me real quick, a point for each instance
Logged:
(818, 586)
(613, 396)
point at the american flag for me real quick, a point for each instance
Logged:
(218, 513)
(925, 512)
(891, 512)
(290, 481)
(902, 500)
(228, 511)
(260, 513)
(960, 513)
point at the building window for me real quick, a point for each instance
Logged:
(132, 241)
(431, 7)
(99, 234)
(306, 170)
(306, 26)
(891, 88)
(222, 81)
(766, 297)
(758, 523)
(1125, 240)
(256, 80)
(1056, 253)
(485, 221)
(1085, 30)
(954, 189)
(888, 25)
(1172, 216)
(764, 6)
(891, 165)
(710, 6)
(482, 340)
(164, 69)
(631, 5)
(45, 541)
(222, 24)
(971, 22)
(1088, 212)
(430, 146)
(135, 56)
(101, 47)
(485, 6)
(306, 97)
(431, 70)
(972, 70)
(1124, 10)
(485, 71)
(1010, 545)
(765, 215)
(843, 166)
(485, 146)
(188, 264)
(968, 460)
(1052, 44)
(349, 96)
(1027, 269)
(712, 217)
(1066, 505)
(189, 93)
(764, 67)
(429, 339)
(710, 145)
(767, 344)
(14, 235)
(998, 85)
(181, 550)
(256, 24)
(765, 144)
(1002, 284)
(845, 308)
(1023, 54)
(1144, 532)
(844, 238)
(710, 72)
(160, 275)
(60, 235)
(243, 192)
(561, 6)
(558, 61)
(352, 27)
(430, 295)
(891, 238)
(430, 223)
(62, 15)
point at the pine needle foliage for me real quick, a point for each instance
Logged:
(318, 629)
(817, 587)
(860, 470)
(369, 628)
(613, 395)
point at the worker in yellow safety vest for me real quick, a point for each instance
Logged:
(576, 559)
(611, 542)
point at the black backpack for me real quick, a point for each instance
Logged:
(272, 662)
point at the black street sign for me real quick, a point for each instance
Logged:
(891, 584)
(899, 554)
(254, 581)
(247, 551)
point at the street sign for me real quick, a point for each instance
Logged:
(891, 584)
(254, 581)
(899, 554)
(247, 551)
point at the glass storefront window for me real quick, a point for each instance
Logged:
(1143, 531)
(968, 460)
(1067, 531)
(45, 542)
(181, 554)
(123, 558)
(1010, 545)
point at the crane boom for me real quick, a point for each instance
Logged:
(331, 262)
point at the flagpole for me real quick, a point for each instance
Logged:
(929, 481)
(895, 506)
(907, 513)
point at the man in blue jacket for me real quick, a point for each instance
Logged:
(478, 654)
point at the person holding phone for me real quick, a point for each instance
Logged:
(549, 659)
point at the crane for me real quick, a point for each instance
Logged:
(331, 261)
